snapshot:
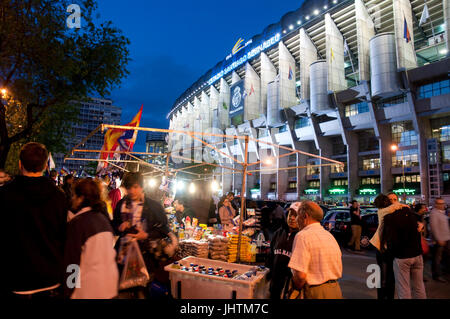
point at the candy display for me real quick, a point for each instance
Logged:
(196, 248)
(218, 247)
(233, 247)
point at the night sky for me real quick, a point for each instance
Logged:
(173, 43)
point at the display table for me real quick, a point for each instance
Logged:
(194, 285)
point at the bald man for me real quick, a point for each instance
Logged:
(316, 257)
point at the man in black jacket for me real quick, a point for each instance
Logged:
(34, 213)
(280, 254)
(140, 217)
(401, 233)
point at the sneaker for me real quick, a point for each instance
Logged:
(440, 279)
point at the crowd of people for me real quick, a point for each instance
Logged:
(65, 240)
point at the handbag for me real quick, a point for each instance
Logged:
(425, 247)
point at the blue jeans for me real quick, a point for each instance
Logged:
(409, 276)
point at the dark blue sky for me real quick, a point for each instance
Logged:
(174, 42)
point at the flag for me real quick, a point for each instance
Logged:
(50, 162)
(224, 105)
(244, 95)
(425, 15)
(332, 55)
(291, 74)
(128, 138)
(252, 90)
(119, 139)
(186, 126)
(64, 171)
(406, 33)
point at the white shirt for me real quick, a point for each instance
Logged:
(316, 253)
(98, 277)
(439, 225)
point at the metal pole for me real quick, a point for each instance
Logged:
(243, 193)
(404, 180)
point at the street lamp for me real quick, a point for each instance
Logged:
(394, 148)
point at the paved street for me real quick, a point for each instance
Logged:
(353, 282)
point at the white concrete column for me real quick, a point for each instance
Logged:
(335, 55)
(308, 55)
(224, 104)
(205, 112)
(252, 85)
(446, 9)
(286, 71)
(235, 77)
(406, 54)
(268, 74)
(197, 128)
(364, 32)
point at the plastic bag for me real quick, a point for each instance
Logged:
(135, 272)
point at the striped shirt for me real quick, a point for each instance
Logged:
(316, 253)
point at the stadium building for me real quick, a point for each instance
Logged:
(364, 82)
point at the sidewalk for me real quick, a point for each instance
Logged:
(353, 282)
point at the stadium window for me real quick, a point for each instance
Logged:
(434, 89)
(302, 122)
(355, 109)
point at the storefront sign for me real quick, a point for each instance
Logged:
(406, 191)
(337, 191)
(311, 191)
(368, 191)
(241, 54)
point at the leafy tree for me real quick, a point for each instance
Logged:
(45, 66)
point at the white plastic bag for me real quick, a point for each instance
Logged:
(135, 272)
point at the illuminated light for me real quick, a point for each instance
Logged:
(291, 27)
(180, 185)
(284, 31)
(152, 182)
(3, 91)
(307, 17)
(268, 161)
(368, 191)
(311, 191)
(394, 148)
(299, 22)
(325, 7)
(337, 191)
(407, 191)
(443, 51)
(316, 12)
(191, 188)
(334, 1)
(214, 186)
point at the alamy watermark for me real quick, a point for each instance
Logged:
(73, 280)
(374, 279)
(74, 20)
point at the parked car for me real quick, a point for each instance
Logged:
(338, 223)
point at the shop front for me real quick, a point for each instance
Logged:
(366, 194)
(337, 195)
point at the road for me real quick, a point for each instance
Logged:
(353, 281)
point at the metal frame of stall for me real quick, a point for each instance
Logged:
(166, 170)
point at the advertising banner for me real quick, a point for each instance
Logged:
(237, 99)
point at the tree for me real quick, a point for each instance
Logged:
(45, 67)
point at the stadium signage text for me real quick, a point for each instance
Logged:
(247, 56)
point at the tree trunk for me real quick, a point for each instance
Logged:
(4, 150)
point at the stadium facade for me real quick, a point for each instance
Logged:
(346, 80)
